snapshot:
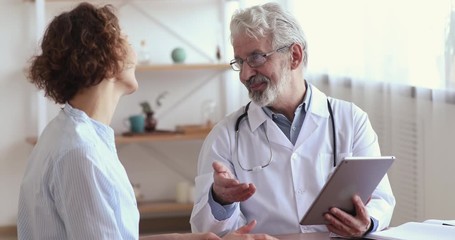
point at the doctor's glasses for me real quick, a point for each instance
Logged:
(254, 60)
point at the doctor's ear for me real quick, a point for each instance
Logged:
(297, 55)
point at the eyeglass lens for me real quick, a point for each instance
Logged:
(254, 60)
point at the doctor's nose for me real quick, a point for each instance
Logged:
(246, 72)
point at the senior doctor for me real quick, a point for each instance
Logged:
(285, 148)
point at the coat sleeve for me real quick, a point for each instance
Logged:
(365, 143)
(216, 147)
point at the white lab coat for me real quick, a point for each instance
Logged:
(287, 187)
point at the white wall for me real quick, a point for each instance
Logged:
(16, 96)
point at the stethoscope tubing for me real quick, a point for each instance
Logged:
(245, 115)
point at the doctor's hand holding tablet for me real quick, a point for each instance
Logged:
(345, 224)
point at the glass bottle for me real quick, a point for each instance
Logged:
(143, 54)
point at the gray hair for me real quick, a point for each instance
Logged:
(269, 20)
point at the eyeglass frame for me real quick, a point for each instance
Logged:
(239, 62)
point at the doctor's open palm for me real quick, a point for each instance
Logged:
(226, 189)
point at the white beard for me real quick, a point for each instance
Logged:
(271, 92)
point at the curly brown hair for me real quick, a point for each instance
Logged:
(80, 48)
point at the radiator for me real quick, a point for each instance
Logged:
(400, 131)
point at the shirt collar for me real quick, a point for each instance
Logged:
(102, 129)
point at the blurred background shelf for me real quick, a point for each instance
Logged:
(164, 217)
(141, 138)
(149, 209)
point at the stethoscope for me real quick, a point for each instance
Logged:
(256, 168)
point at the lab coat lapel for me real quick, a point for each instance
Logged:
(257, 117)
(309, 126)
(316, 116)
(277, 136)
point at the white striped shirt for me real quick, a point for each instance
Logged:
(74, 186)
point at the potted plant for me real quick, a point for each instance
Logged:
(150, 120)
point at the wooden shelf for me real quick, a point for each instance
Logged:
(181, 67)
(158, 137)
(149, 209)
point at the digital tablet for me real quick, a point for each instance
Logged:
(354, 175)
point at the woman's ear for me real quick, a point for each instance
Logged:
(296, 55)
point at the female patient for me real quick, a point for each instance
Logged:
(75, 186)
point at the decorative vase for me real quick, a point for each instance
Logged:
(150, 122)
(178, 55)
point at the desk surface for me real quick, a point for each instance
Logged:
(305, 236)
(297, 236)
(309, 236)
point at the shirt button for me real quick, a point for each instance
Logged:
(293, 128)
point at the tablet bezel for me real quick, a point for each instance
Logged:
(354, 175)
